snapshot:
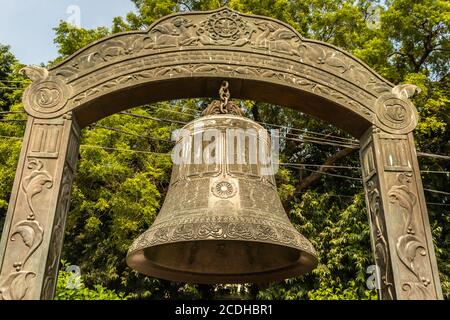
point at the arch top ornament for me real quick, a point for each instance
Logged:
(186, 55)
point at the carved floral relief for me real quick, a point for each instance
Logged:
(16, 285)
(410, 246)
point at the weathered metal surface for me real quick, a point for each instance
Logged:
(222, 220)
(188, 55)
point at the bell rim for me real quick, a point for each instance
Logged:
(306, 262)
(163, 232)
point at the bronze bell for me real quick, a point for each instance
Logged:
(222, 220)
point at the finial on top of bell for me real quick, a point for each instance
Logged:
(224, 106)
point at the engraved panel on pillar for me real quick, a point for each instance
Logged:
(56, 242)
(368, 163)
(73, 149)
(380, 241)
(46, 139)
(18, 277)
(411, 244)
(395, 153)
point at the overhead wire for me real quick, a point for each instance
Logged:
(439, 204)
(298, 139)
(321, 166)
(433, 155)
(288, 165)
(353, 141)
(17, 81)
(324, 173)
(12, 138)
(437, 191)
(11, 112)
(268, 124)
(131, 133)
(315, 140)
(10, 88)
(124, 150)
(151, 118)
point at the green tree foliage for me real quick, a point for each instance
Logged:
(71, 39)
(118, 192)
(7, 61)
(11, 82)
(71, 287)
(11, 90)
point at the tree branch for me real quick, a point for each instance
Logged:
(314, 177)
(255, 112)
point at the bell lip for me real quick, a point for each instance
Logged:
(305, 264)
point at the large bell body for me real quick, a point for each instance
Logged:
(222, 221)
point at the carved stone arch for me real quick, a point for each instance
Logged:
(186, 55)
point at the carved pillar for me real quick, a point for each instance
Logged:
(34, 228)
(401, 235)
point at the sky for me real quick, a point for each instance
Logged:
(27, 25)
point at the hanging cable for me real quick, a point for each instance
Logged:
(130, 133)
(123, 150)
(169, 154)
(10, 88)
(151, 118)
(291, 139)
(320, 165)
(439, 204)
(437, 191)
(11, 112)
(270, 124)
(325, 173)
(433, 155)
(9, 137)
(17, 81)
(307, 140)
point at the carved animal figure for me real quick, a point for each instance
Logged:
(113, 48)
(359, 75)
(276, 39)
(332, 60)
(204, 38)
(262, 38)
(173, 33)
(319, 55)
(243, 41)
